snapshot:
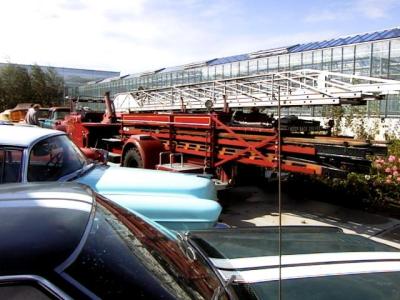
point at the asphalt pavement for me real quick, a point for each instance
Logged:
(252, 206)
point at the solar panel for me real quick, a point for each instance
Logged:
(371, 37)
(367, 37)
(324, 43)
(172, 69)
(228, 59)
(215, 62)
(294, 49)
(301, 47)
(352, 39)
(312, 46)
(337, 42)
(392, 33)
(381, 35)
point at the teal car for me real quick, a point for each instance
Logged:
(177, 201)
(54, 118)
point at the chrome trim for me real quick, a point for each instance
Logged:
(28, 150)
(300, 259)
(48, 195)
(79, 286)
(49, 203)
(311, 271)
(228, 289)
(40, 280)
(70, 259)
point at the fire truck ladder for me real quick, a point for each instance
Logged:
(297, 88)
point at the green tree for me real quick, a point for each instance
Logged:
(54, 86)
(39, 84)
(15, 86)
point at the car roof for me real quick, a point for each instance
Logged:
(41, 225)
(23, 136)
(296, 240)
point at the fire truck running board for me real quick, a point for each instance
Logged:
(182, 168)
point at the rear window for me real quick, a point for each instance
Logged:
(126, 258)
(246, 242)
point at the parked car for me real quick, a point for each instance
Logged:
(55, 116)
(5, 115)
(17, 114)
(316, 263)
(61, 240)
(178, 201)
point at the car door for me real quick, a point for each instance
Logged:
(48, 123)
(10, 164)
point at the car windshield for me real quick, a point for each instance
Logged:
(124, 257)
(52, 158)
(43, 114)
(60, 114)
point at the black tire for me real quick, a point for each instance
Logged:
(133, 159)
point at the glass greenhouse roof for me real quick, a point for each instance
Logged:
(342, 41)
(360, 38)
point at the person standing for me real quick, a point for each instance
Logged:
(32, 117)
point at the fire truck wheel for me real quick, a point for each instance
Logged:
(133, 159)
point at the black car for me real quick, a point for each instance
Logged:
(61, 241)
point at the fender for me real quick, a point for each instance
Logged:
(149, 148)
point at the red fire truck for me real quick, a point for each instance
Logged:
(216, 127)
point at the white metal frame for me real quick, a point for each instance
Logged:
(297, 88)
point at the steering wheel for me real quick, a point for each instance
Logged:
(55, 160)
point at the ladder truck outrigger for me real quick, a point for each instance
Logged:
(202, 128)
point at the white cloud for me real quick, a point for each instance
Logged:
(375, 9)
(137, 35)
(323, 16)
(126, 35)
(337, 10)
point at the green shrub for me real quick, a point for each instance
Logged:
(379, 188)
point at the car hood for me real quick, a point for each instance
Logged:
(176, 201)
(110, 180)
(320, 261)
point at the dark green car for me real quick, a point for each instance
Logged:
(316, 263)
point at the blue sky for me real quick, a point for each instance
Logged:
(139, 35)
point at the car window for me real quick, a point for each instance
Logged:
(10, 165)
(43, 114)
(53, 158)
(60, 114)
(124, 257)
